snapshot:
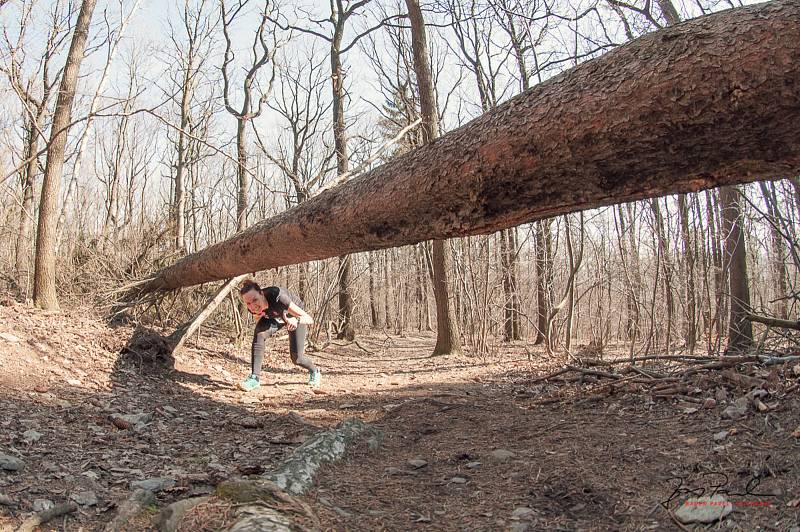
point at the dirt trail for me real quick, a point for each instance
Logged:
(467, 443)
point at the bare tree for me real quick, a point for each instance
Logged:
(34, 115)
(192, 42)
(340, 12)
(740, 329)
(45, 274)
(265, 46)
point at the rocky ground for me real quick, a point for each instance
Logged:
(466, 443)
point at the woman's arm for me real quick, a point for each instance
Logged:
(301, 315)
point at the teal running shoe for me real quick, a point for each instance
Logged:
(250, 383)
(314, 378)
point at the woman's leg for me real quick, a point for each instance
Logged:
(264, 329)
(297, 348)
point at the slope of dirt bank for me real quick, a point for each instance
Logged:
(468, 443)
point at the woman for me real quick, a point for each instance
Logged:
(276, 308)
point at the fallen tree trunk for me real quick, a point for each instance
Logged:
(709, 102)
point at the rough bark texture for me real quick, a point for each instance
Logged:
(448, 333)
(296, 474)
(44, 282)
(740, 330)
(708, 102)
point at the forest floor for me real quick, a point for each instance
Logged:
(468, 443)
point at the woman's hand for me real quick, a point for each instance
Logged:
(291, 323)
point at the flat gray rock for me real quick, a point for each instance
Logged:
(42, 505)
(31, 436)
(153, 484)
(458, 480)
(704, 510)
(417, 463)
(734, 412)
(84, 498)
(522, 513)
(502, 455)
(10, 463)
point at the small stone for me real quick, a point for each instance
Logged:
(502, 455)
(392, 471)
(721, 435)
(31, 436)
(796, 370)
(250, 422)
(73, 382)
(473, 465)
(458, 480)
(8, 337)
(734, 412)
(169, 410)
(42, 505)
(10, 463)
(153, 484)
(721, 395)
(742, 402)
(709, 403)
(704, 510)
(84, 498)
(522, 512)
(5, 500)
(347, 406)
(760, 406)
(758, 393)
(417, 463)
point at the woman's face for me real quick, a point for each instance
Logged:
(255, 301)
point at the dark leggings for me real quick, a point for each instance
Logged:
(297, 344)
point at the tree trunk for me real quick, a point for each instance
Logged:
(666, 263)
(44, 283)
(448, 334)
(22, 248)
(740, 329)
(599, 137)
(778, 252)
(543, 279)
(715, 241)
(690, 333)
(346, 331)
(373, 293)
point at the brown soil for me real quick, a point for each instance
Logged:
(587, 455)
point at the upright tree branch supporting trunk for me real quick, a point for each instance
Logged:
(644, 120)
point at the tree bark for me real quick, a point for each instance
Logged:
(346, 331)
(44, 283)
(690, 333)
(448, 333)
(593, 136)
(740, 329)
